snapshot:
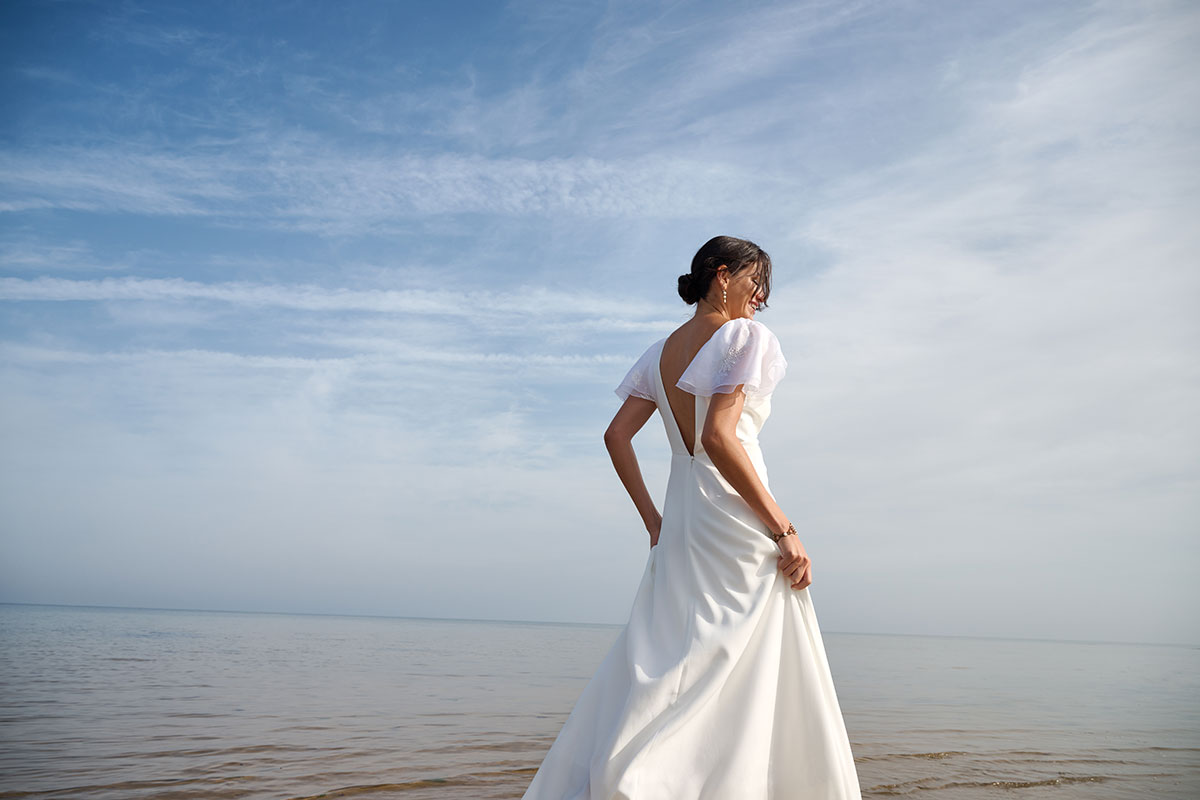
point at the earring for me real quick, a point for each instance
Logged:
(724, 298)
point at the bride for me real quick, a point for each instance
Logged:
(718, 688)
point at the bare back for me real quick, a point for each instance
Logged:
(677, 352)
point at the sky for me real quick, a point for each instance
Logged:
(316, 307)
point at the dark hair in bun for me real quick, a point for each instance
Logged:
(736, 255)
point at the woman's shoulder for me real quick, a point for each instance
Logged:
(741, 332)
(755, 327)
(639, 380)
(743, 351)
(650, 352)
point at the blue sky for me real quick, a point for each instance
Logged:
(319, 307)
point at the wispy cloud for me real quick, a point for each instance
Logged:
(532, 303)
(310, 188)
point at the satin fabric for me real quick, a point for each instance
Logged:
(718, 687)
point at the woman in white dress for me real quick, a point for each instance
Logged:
(718, 687)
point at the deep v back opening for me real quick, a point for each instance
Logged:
(663, 383)
(691, 451)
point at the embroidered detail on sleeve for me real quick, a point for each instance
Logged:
(732, 355)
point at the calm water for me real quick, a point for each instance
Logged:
(121, 703)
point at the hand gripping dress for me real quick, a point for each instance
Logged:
(718, 687)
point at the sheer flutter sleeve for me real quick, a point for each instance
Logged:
(639, 380)
(742, 351)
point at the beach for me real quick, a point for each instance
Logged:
(135, 703)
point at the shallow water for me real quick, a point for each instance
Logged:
(124, 703)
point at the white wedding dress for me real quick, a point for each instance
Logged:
(718, 687)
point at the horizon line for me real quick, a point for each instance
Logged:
(575, 624)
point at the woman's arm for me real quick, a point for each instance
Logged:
(630, 418)
(725, 450)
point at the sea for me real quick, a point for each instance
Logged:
(121, 704)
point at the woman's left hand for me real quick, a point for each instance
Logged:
(654, 527)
